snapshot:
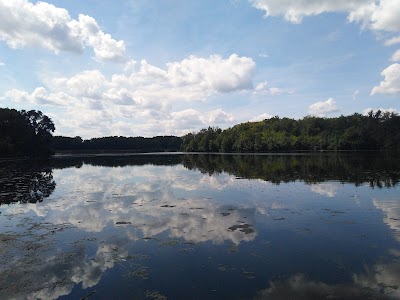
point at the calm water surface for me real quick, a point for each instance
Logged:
(201, 227)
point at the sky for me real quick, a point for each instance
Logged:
(157, 67)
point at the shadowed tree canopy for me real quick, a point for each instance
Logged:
(25, 133)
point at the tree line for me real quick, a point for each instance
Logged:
(25, 133)
(118, 143)
(375, 131)
(29, 133)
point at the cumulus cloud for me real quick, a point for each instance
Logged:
(40, 96)
(188, 120)
(217, 116)
(261, 117)
(376, 15)
(294, 11)
(396, 56)
(323, 108)
(391, 83)
(44, 25)
(222, 75)
(262, 89)
(392, 41)
(142, 94)
(86, 84)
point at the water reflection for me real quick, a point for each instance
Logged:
(391, 210)
(44, 269)
(298, 287)
(25, 182)
(224, 226)
(375, 169)
(33, 181)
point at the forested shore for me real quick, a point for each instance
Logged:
(375, 131)
(30, 134)
(118, 144)
(25, 133)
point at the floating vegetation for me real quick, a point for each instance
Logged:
(249, 275)
(155, 295)
(87, 297)
(246, 228)
(150, 238)
(168, 206)
(190, 243)
(141, 273)
(279, 219)
(123, 223)
(221, 269)
(224, 214)
(187, 250)
(233, 249)
(136, 256)
(169, 243)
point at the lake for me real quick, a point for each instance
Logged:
(180, 226)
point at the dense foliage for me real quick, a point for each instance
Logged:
(25, 133)
(375, 131)
(115, 143)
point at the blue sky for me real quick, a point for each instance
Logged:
(145, 68)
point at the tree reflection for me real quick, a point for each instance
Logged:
(25, 182)
(31, 182)
(374, 169)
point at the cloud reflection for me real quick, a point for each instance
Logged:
(93, 198)
(324, 189)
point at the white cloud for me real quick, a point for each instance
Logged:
(188, 120)
(294, 10)
(217, 116)
(376, 15)
(262, 89)
(40, 96)
(261, 86)
(88, 84)
(261, 117)
(44, 25)
(323, 108)
(141, 99)
(396, 56)
(2, 64)
(355, 94)
(216, 73)
(392, 41)
(391, 83)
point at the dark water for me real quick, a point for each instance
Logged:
(201, 227)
